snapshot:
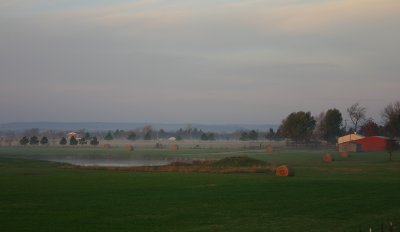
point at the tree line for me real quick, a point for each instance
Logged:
(300, 127)
(63, 141)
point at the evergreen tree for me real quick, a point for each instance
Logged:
(63, 141)
(24, 140)
(73, 141)
(44, 140)
(33, 140)
(244, 136)
(253, 135)
(109, 136)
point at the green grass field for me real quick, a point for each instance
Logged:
(349, 194)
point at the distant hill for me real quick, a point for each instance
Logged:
(106, 126)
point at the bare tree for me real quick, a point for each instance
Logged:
(189, 130)
(147, 128)
(391, 119)
(31, 132)
(147, 131)
(356, 114)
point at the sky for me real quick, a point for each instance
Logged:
(196, 61)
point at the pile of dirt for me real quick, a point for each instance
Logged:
(226, 165)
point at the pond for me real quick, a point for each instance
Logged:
(100, 160)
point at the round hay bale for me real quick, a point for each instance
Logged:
(106, 146)
(128, 147)
(269, 149)
(328, 158)
(284, 170)
(344, 154)
(174, 147)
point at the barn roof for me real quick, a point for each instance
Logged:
(349, 137)
(70, 134)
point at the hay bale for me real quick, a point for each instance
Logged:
(106, 146)
(128, 147)
(174, 147)
(344, 154)
(269, 149)
(328, 158)
(284, 170)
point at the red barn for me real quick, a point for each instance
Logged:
(373, 143)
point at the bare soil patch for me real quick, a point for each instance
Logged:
(226, 165)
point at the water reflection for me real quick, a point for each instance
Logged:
(102, 160)
(110, 162)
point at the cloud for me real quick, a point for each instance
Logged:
(284, 15)
(202, 56)
(327, 17)
(273, 15)
(142, 12)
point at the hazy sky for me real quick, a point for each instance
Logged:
(195, 61)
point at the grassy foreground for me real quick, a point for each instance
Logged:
(346, 195)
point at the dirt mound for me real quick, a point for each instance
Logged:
(226, 165)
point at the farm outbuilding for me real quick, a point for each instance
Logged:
(357, 143)
(349, 147)
(346, 143)
(373, 143)
(70, 134)
(171, 139)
